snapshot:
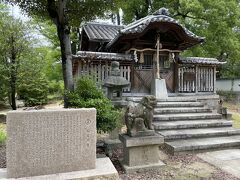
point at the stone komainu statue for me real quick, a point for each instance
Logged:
(139, 117)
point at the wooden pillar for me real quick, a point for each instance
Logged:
(132, 76)
(157, 57)
(214, 79)
(176, 77)
(196, 79)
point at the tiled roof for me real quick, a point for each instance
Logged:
(101, 32)
(103, 56)
(141, 24)
(200, 60)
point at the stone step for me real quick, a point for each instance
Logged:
(164, 125)
(169, 99)
(201, 144)
(181, 110)
(189, 116)
(197, 133)
(179, 104)
(179, 99)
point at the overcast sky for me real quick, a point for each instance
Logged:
(16, 12)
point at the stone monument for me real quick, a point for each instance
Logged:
(141, 143)
(115, 83)
(54, 144)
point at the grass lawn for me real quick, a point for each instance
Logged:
(236, 120)
(235, 110)
(232, 107)
(2, 133)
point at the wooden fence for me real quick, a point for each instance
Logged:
(100, 71)
(196, 78)
(191, 78)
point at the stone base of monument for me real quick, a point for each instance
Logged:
(104, 170)
(159, 89)
(141, 153)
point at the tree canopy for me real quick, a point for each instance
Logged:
(15, 43)
(65, 14)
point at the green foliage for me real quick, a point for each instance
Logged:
(48, 30)
(51, 68)
(33, 86)
(34, 91)
(87, 89)
(15, 42)
(36, 70)
(55, 87)
(3, 88)
(77, 11)
(3, 137)
(228, 96)
(88, 95)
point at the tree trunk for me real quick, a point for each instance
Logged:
(13, 93)
(66, 54)
(13, 78)
(57, 13)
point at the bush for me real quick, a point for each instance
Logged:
(34, 91)
(87, 94)
(56, 87)
(228, 96)
(3, 96)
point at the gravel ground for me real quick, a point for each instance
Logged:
(179, 167)
(2, 156)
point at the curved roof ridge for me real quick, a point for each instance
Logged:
(140, 25)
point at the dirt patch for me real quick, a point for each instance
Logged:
(2, 156)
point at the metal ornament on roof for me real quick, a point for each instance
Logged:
(162, 11)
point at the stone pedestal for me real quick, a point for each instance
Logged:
(104, 169)
(141, 153)
(159, 89)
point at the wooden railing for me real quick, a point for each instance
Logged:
(196, 79)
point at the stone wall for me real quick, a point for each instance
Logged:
(228, 85)
(50, 141)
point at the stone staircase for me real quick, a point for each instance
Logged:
(189, 126)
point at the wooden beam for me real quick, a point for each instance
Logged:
(157, 58)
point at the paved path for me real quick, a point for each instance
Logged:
(227, 160)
